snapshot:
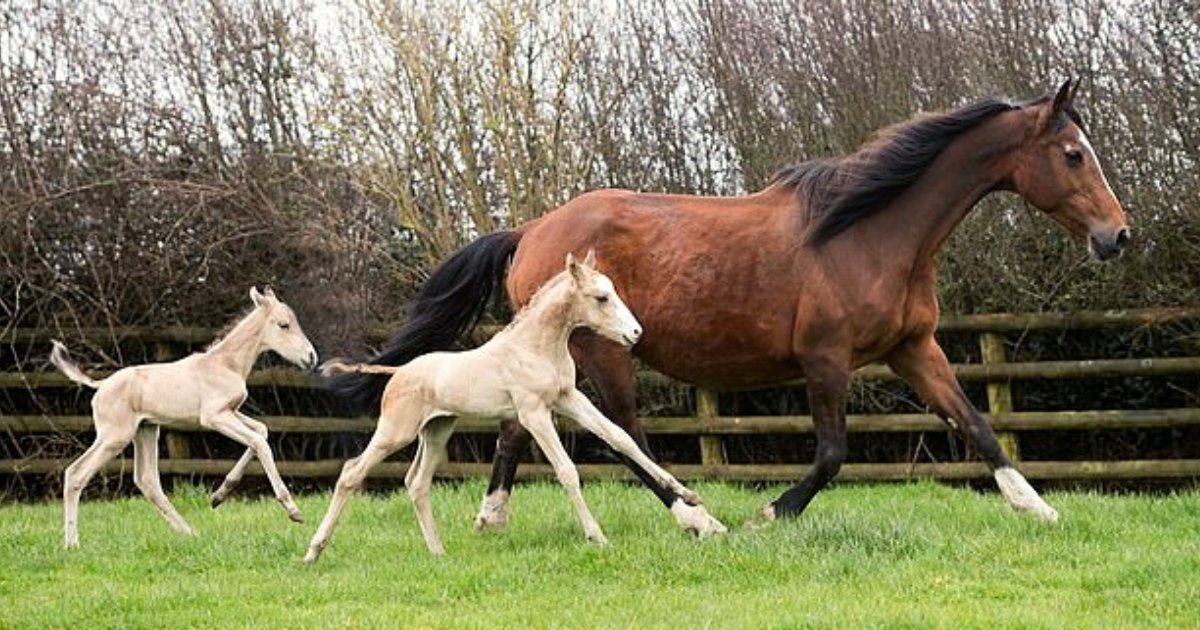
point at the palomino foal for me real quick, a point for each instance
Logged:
(205, 389)
(524, 372)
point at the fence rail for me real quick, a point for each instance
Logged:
(711, 428)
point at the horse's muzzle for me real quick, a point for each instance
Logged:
(1109, 247)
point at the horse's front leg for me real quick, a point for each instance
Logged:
(827, 378)
(922, 363)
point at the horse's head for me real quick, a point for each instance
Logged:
(596, 304)
(1057, 171)
(281, 330)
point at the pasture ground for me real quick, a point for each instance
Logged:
(918, 555)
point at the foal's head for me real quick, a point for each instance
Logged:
(596, 305)
(1057, 171)
(281, 329)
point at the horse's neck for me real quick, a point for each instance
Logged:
(924, 216)
(240, 348)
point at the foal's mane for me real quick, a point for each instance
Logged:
(840, 192)
(539, 296)
(228, 328)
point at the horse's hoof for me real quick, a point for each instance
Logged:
(689, 496)
(493, 513)
(763, 518)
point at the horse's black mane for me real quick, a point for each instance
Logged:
(843, 191)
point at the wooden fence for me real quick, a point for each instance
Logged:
(712, 429)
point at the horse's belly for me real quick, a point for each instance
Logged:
(709, 362)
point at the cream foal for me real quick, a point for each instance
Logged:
(524, 372)
(203, 390)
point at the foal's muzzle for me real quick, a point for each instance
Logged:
(1107, 247)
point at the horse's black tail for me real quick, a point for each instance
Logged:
(448, 305)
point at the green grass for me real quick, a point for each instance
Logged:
(888, 556)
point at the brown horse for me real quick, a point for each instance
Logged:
(829, 268)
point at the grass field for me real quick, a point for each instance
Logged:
(886, 556)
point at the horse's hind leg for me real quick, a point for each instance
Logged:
(541, 426)
(419, 480)
(113, 432)
(393, 433)
(827, 381)
(234, 477)
(512, 441)
(923, 364)
(145, 475)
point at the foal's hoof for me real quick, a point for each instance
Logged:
(597, 538)
(696, 520)
(216, 499)
(763, 518)
(296, 516)
(312, 555)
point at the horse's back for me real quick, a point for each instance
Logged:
(710, 278)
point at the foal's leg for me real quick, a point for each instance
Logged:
(539, 423)
(576, 406)
(145, 475)
(393, 433)
(114, 431)
(239, 469)
(922, 363)
(230, 425)
(419, 479)
(827, 379)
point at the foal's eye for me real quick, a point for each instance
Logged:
(284, 325)
(602, 298)
(1074, 157)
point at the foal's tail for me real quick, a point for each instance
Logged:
(337, 366)
(447, 306)
(58, 356)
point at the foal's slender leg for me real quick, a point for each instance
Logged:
(145, 475)
(541, 426)
(392, 434)
(113, 433)
(575, 405)
(922, 363)
(419, 480)
(827, 380)
(230, 425)
(239, 469)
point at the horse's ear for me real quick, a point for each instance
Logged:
(590, 259)
(1063, 98)
(255, 296)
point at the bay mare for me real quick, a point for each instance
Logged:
(829, 268)
(524, 373)
(202, 390)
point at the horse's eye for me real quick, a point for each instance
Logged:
(284, 325)
(602, 298)
(1074, 157)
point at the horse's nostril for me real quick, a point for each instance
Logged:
(1123, 237)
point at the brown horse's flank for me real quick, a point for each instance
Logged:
(830, 267)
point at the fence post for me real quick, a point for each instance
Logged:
(999, 393)
(712, 448)
(177, 443)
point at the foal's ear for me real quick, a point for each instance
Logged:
(574, 267)
(268, 292)
(256, 297)
(590, 259)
